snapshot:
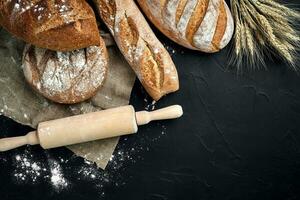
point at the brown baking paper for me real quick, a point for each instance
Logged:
(19, 102)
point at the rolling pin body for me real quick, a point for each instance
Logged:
(87, 127)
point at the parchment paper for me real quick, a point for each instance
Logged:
(19, 102)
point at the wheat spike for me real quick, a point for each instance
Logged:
(250, 40)
(282, 27)
(283, 50)
(289, 46)
(238, 39)
(237, 31)
(273, 40)
(247, 15)
(284, 10)
(287, 32)
(260, 38)
(269, 11)
(243, 37)
(264, 27)
(237, 56)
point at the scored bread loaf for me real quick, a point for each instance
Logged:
(205, 25)
(60, 25)
(143, 51)
(66, 77)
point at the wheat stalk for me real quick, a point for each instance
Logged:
(286, 32)
(237, 31)
(249, 40)
(276, 16)
(286, 11)
(260, 38)
(264, 27)
(269, 11)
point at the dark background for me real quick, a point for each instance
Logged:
(238, 139)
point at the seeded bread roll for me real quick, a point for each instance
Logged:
(66, 77)
(143, 51)
(204, 25)
(60, 25)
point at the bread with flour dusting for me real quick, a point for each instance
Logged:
(143, 51)
(205, 25)
(61, 25)
(66, 77)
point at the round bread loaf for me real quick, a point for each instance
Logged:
(59, 25)
(65, 77)
(204, 25)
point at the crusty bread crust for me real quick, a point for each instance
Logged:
(66, 77)
(60, 25)
(204, 25)
(220, 28)
(196, 19)
(143, 51)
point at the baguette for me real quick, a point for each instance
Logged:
(204, 25)
(143, 51)
(59, 25)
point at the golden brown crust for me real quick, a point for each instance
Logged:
(196, 19)
(148, 67)
(198, 24)
(66, 77)
(146, 55)
(52, 24)
(180, 8)
(128, 36)
(220, 28)
(109, 11)
(156, 20)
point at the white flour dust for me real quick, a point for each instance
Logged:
(56, 175)
(32, 167)
(149, 105)
(172, 50)
(27, 168)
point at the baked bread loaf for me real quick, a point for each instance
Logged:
(143, 51)
(60, 25)
(66, 77)
(205, 25)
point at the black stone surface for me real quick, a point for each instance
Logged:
(238, 139)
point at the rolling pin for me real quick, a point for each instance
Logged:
(89, 127)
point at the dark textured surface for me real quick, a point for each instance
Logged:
(238, 139)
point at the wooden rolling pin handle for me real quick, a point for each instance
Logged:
(14, 142)
(171, 112)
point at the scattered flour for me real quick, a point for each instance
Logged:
(27, 168)
(57, 178)
(34, 167)
(150, 105)
(170, 49)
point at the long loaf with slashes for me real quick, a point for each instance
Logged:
(143, 51)
(204, 25)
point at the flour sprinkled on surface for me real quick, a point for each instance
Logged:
(57, 177)
(27, 168)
